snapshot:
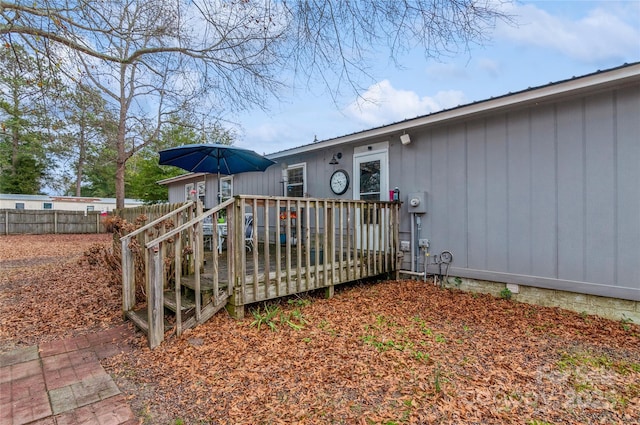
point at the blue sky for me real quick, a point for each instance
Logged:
(553, 40)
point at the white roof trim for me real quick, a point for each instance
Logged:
(187, 176)
(592, 81)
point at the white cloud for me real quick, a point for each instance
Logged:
(601, 34)
(446, 71)
(383, 104)
(491, 67)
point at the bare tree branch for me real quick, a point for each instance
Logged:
(149, 56)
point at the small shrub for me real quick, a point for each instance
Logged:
(266, 317)
(625, 323)
(506, 294)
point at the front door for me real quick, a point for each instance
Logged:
(371, 178)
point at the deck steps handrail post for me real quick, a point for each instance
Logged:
(128, 261)
(195, 232)
(128, 277)
(155, 299)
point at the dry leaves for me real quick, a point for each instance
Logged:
(378, 353)
(47, 290)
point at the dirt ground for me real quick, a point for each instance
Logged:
(392, 352)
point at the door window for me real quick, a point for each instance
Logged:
(296, 180)
(371, 180)
(371, 175)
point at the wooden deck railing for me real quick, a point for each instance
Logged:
(317, 243)
(293, 245)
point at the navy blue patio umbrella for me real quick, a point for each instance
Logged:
(214, 158)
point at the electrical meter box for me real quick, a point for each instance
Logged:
(417, 202)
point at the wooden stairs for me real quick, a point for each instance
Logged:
(187, 317)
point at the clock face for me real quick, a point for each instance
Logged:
(339, 182)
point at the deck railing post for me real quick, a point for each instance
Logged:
(177, 246)
(200, 239)
(128, 277)
(265, 249)
(306, 242)
(396, 240)
(278, 241)
(329, 248)
(199, 255)
(239, 259)
(155, 302)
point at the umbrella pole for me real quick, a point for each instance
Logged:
(219, 189)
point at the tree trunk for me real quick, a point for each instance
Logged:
(120, 167)
(15, 131)
(81, 155)
(121, 148)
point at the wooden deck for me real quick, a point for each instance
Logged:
(293, 282)
(296, 245)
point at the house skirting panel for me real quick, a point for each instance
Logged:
(607, 307)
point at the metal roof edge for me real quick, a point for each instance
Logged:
(180, 177)
(593, 80)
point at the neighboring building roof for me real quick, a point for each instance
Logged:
(78, 199)
(613, 76)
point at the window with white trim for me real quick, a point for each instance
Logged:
(202, 191)
(226, 188)
(189, 192)
(47, 205)
(19, 205)
(297, 180)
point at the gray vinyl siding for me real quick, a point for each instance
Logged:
(627, 194)
(547, 195)
(477, 195)
(544, 194)
(496, 193)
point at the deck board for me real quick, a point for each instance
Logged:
(298, 279)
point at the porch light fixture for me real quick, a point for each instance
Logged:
(335, 158)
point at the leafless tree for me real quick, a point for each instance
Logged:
(152, 57)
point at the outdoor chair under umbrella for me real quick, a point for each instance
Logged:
(214, 158)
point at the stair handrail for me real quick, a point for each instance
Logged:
(189, 223)
(156, 221)
(154, 262)
(127, 259)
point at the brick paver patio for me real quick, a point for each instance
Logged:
(63, 383)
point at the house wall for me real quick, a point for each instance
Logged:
(544, 195)
(547, 196)
(178, 192)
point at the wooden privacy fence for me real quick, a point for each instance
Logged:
(40, 222)
(150, 211)
(271, 247)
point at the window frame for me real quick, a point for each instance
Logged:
(303, 166)
(188, 188)
(201, 191)
(221, 194)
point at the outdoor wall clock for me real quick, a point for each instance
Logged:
(339, 182)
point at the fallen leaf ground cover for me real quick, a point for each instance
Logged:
(49, 291)
(391, 352)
